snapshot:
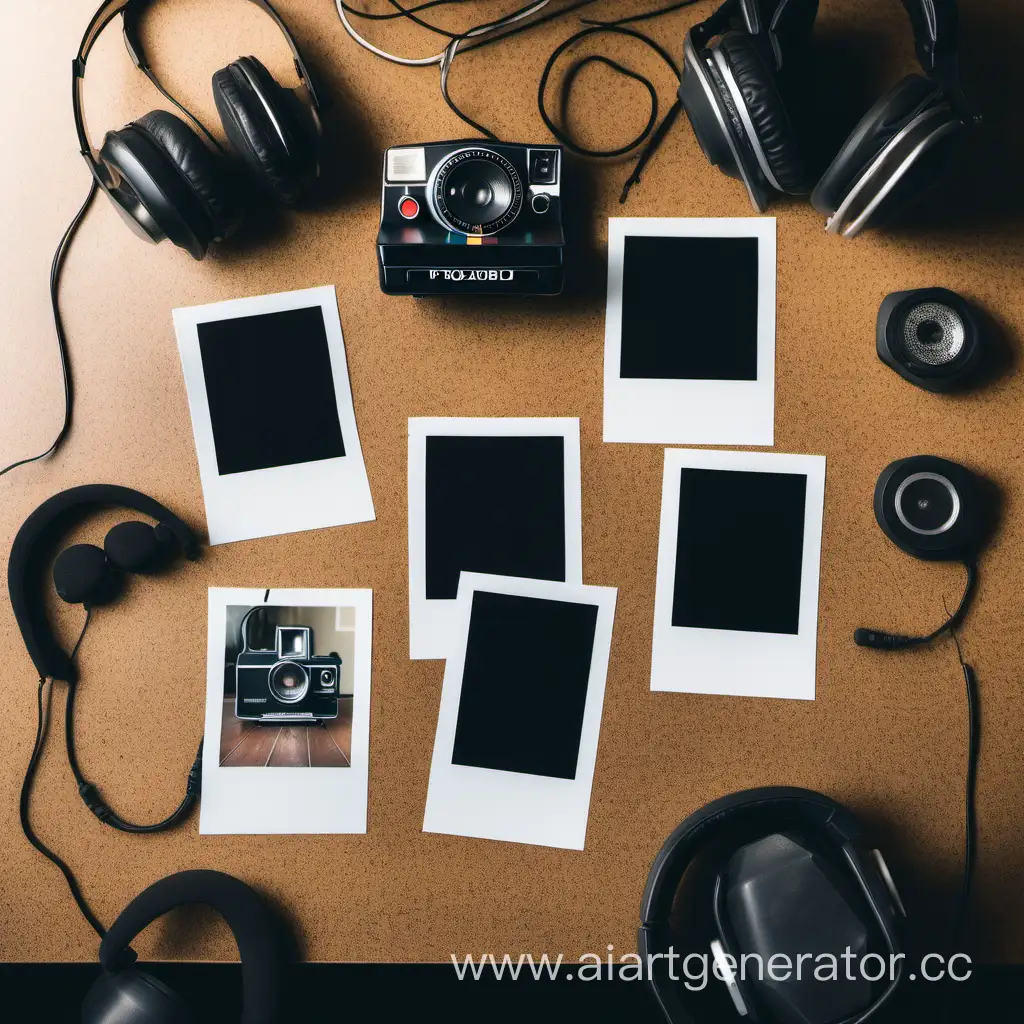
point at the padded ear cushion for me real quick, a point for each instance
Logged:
(197, 164)
(886, 119)
(767, 109)
(266, 125)
(82, 575)
(137, 547)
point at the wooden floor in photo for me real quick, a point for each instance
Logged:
(327, 744)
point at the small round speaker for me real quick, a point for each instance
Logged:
(932, 508)
(930, 337)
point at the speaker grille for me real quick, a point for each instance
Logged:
(933, 334)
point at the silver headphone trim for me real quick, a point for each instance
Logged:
(741, 108)
(254, 84)
(728, 975)
(919, 135)
(938, 478)
(890, 884)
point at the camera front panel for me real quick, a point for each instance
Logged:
(471, 217)
(271, 689)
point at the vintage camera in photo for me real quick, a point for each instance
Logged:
(287, 683)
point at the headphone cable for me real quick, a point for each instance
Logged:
(90, 794)
(26, 794)
(56, 267)
(520, 21)
(970, 790)
(879, 639)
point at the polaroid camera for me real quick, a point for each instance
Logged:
(287, 683)
(471, 217)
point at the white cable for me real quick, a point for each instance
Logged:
(443, 58)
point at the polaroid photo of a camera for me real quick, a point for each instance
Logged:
(480, 217)
(288, 683)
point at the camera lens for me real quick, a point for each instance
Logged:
(927, 504)
(288, 682)
(477, 191)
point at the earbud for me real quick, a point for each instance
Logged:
(82, 574)
(882, 641)
(138, 547)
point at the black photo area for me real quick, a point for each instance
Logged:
(689, 308)
(739, 552)
(524, 685)
(494, 505)
(270, 390)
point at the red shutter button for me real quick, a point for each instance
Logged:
(408, 208)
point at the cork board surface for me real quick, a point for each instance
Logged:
(885, 734)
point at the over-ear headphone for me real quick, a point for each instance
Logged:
(124, 994)
(85, 574)
(164, 181)
(794, 896)
(938, 511)
(745, 72)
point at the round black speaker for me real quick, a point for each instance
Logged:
(930, 337)
(932, 508)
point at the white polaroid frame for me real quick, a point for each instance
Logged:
(286, 801)
(489, 804)
(726, 412)
(688, 659)
(432, 623)
(261, 503)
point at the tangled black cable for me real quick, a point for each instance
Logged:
(58, 323)
(653, 132)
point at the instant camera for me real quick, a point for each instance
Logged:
(481, 217)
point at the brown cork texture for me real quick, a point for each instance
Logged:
(886, 733)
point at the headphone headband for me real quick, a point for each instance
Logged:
(934, 23)
(678, 850)
(33, 543)
(247, 915)
(132, 9)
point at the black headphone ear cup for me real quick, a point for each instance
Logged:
(879, 126)
(82, 574)
(768, 112)
(138, 547)
(131, 996)
(199, 165)
(167, 184)
(267, 127)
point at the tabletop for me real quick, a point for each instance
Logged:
(885, 734)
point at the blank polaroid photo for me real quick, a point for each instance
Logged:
(520, 712)
(497, 496)
(739, 556)
(287, 738)
(689, 352)
(272, 415)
